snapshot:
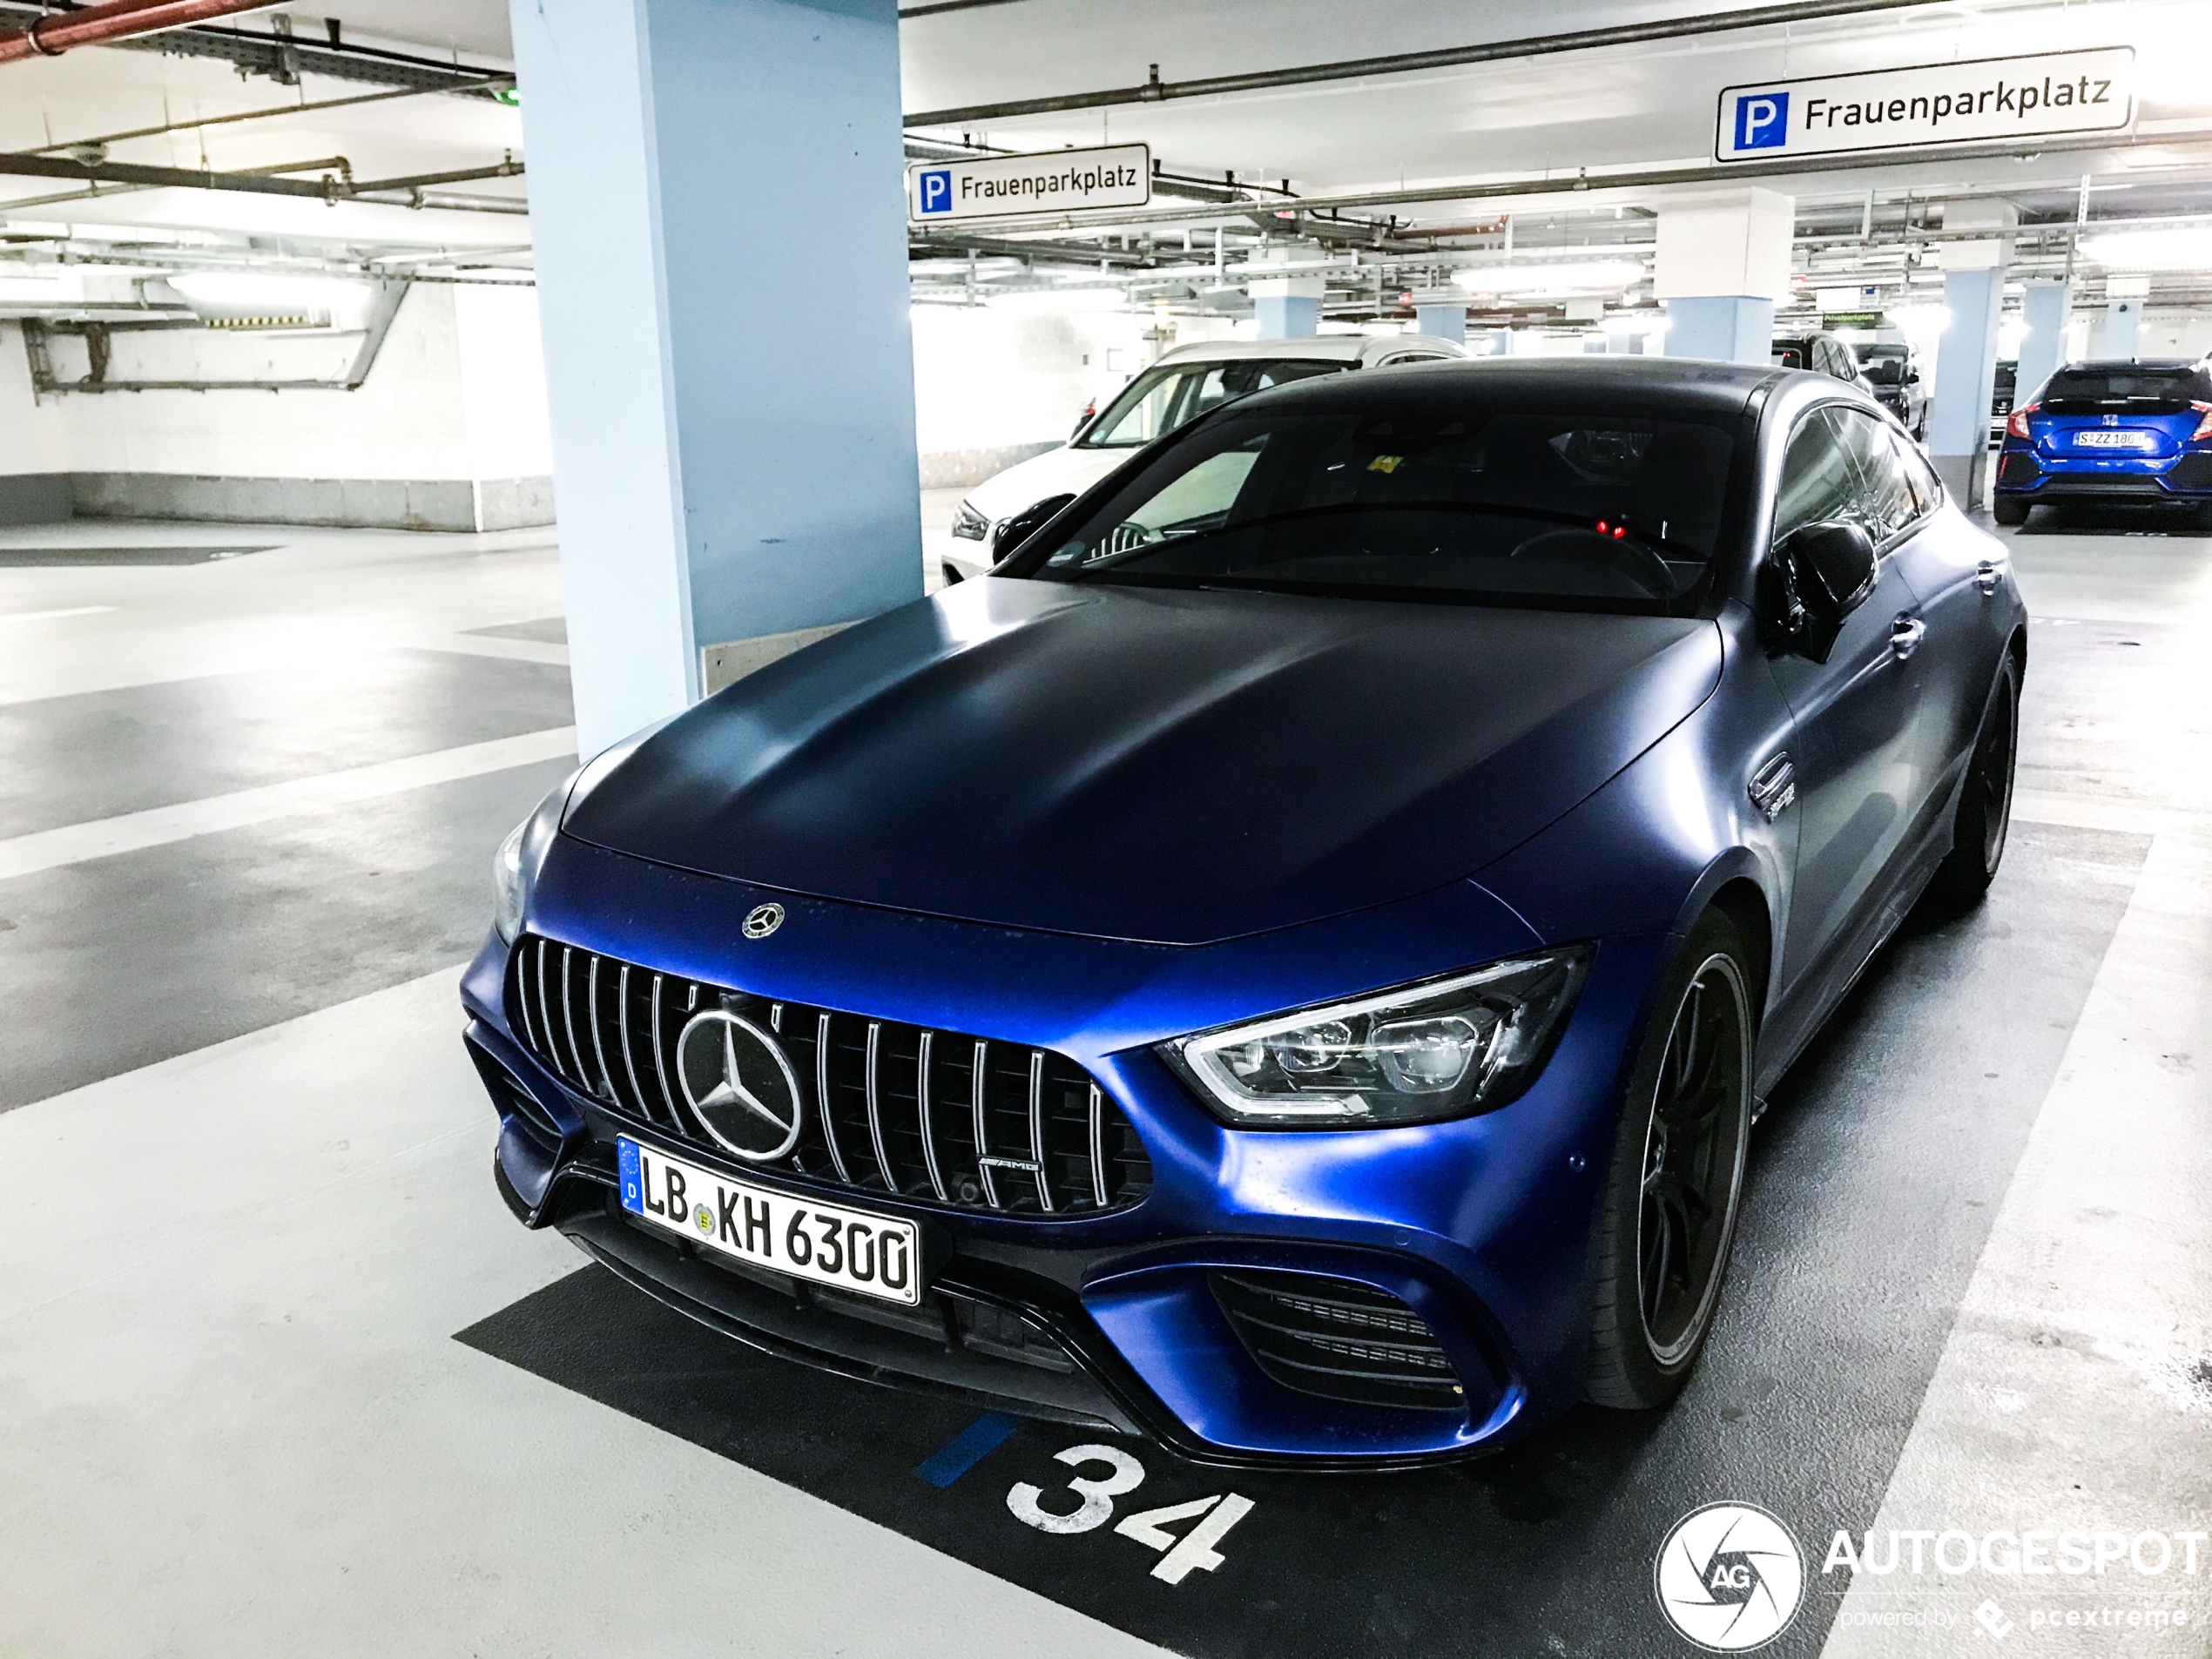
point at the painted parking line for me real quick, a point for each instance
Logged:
(967, 1449)
(129, 832)
(51, 616)
(508, 651)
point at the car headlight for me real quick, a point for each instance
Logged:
(515, 864)
(1437, 1048)
(970, 525)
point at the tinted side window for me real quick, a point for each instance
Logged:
(1885, 504)
(1817, 480)
(1919, 476)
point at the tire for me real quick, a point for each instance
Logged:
(1677, 1180)
(1983, 817)
(2007, 511)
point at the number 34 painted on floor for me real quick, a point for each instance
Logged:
(1193, 1552)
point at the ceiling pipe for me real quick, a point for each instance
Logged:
(1156, 91)
(330, 188)
(116, 20)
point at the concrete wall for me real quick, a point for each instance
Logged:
(448, 432)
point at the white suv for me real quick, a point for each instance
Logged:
(1182, 385)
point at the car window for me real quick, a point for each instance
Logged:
(1846, 362)
(2094, 389)
(1424, 491)
(1885, 503)
(1158, 401)
(1819, 482)
(1919, 476)
(1789, 353)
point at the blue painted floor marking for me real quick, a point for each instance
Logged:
(967, 1449)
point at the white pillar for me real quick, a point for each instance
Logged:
(2117, 330)
(1723, 260)
(1288, 308)
(732, 482)
(1973, 293)
(2044, 310)
(1442, 315)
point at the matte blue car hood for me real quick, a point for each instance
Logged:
(1146, 764)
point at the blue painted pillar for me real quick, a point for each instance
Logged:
(1444, 320)
(2044, 308)
(1966, 382)
(1288, 308)
(1729, 328)
(729, 486)
(1500, 342)
(1723, 259)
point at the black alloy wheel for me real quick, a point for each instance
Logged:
(1693, 1161)
(1677, 1180)
(1983, 817)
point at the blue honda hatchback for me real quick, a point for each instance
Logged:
(2139, 431)
(1287, 964)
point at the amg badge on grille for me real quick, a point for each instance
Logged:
(740, 1084)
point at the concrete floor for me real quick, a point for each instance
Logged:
(247, 809)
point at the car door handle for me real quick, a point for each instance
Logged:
(1905, 634)
(1986, 576)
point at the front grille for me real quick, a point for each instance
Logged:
(941, 1116)
(2018, 467)
(1338, 1340)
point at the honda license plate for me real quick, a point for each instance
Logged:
(824, 1244)
(2096, 438)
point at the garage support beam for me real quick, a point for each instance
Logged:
(1288, 308)
(1723, 260)
(2044, 308)
(732, 485)
(1973, 294)
(1446, 320)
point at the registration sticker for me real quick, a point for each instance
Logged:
(824, 1244)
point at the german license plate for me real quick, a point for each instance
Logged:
(2099, 438)
(824, 1244)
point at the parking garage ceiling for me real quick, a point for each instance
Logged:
(1386, 177)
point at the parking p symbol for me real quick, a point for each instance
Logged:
(1761, 120)
(937, 191)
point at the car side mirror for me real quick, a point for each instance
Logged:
(1012, 532)
(1912, 377)
(1826, 571)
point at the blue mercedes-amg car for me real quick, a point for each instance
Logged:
(2139, 431)
(1288, 963)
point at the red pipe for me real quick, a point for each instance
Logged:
(51, 36)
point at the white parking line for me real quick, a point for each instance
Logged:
(509, 651)
(75, 843)
(50, 616)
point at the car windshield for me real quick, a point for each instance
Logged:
(1432, 497)
(2091, 389)
(1161, 399)
(1884, 365)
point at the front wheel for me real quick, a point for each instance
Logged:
(1677, 1176)
(1985, 813)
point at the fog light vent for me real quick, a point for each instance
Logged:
(1340, 1339)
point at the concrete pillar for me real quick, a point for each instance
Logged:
(1500, 342)
(732, 484)
(1973, 293)
(1288, 308)
(2115, 332)
(1723, 259)
(2044, 310)
(1445, 318)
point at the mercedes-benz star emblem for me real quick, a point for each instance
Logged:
(740, 1084)
(763, 921)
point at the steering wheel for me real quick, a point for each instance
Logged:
(1652, 570)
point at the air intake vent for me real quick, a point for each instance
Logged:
(940, 1116)
(1338, 1340)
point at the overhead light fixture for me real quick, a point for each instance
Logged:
(272, 290)
(1588, 276)
(2188, 249)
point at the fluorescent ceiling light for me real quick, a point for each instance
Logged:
(1587, 277)
(2170, 250)
(271, 291)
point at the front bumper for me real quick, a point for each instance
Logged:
(1482, 1227)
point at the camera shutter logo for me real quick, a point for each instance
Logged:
(1761, 120)
(740, 1084)
(937, 190)
(1729, 1577)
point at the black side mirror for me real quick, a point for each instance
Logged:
(1012, 532)
(1912, 377)
(1825, 572)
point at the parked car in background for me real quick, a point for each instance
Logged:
(1822, 354)
(1894, 372)
(1287, 963)
(2003, 391)
(1184, 384)
(2132, 430)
